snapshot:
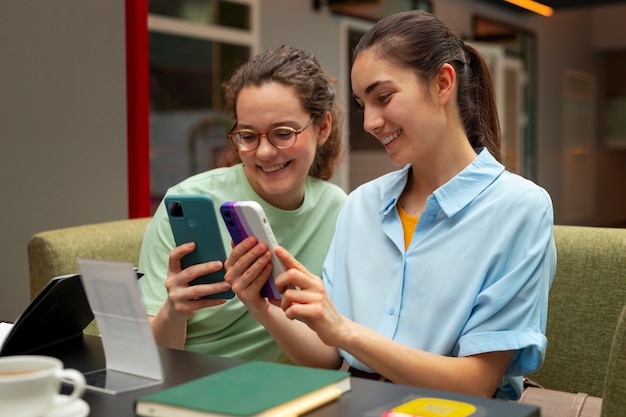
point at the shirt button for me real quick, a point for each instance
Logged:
(391, 310)
(431, 217)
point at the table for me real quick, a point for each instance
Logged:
(367, 398)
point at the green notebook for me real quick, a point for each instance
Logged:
(252, 389)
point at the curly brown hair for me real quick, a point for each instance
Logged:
(299, 69)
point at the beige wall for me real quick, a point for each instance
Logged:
(63, 109)
(608, 35)
(573, 39)
(62, 125)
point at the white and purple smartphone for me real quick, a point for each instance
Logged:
(247, 218)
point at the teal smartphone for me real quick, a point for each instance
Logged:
(193, 218)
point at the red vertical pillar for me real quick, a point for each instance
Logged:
(138, 108)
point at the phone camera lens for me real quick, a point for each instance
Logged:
(231, 223)
(175, 209)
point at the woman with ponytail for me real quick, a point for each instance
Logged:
(438, 273)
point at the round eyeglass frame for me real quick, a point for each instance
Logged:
(232, 136)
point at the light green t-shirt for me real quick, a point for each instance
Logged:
(228, 329)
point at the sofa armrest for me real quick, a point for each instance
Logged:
(615, 381)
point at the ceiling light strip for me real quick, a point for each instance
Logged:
(533, 6)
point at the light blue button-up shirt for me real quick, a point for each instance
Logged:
(474, 279)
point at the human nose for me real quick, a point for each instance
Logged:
(265, 148)
(372, 120)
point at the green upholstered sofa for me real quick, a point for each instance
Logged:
(52, 253)
(586, 350)
(615, 381)
(586, 299)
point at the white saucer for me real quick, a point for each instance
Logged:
(78, 408)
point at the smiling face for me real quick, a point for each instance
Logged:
(278, 175)
(400, 110)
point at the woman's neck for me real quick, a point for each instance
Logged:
(425, 178)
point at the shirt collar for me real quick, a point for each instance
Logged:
(457, 193)
(461, 190)
(393, 188)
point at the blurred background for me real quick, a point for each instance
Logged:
(80, 143)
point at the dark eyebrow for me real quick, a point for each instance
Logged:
(272, 126)
(368, 90)
(371, 87)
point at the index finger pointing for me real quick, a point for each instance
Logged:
(287, 259)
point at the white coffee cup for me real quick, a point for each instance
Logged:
(29, 385)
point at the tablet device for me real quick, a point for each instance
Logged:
(59, 312)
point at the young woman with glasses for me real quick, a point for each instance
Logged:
(285, 146)
(438, 273)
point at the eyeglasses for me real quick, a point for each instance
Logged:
(281, 137)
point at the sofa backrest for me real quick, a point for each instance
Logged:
(52, 253)
(585, 302)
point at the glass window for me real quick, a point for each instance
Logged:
(215, 12)
(188, 125)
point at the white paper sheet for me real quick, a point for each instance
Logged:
(5, 329)
(127, 338)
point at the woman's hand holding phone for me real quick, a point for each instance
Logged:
(184, 299)
(248, 268)
(192, 218)
(247, 218)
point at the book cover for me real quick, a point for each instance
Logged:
(431, 407)
(251, 389)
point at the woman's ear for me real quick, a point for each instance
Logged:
(324, 126)
(445, 83)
